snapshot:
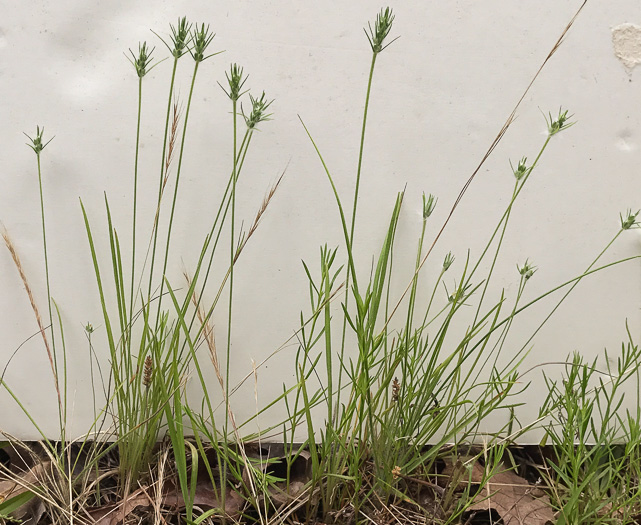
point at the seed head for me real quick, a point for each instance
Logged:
(396, 390)
(382, 27)
(201, 40)
(149, 370)
(180, 38)
(235, 81)
(527, 270)
(143, 60)
(37, 144)
(429, 203)
(561, 122)
(89, 328)
(259, 111)
(396, 472)
(521, 169)
(629, 220)
(449, 259)
(458, 294)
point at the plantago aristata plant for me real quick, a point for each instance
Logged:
(592, 473)
(141, 398)
(150, 368)
(422, 385)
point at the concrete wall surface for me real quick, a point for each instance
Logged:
(440, 95)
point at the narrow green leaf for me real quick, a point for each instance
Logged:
(13, 504)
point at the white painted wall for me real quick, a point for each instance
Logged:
(441, 94)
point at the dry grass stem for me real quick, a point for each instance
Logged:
(241, 246)
(16, 260)
(259, 214)
(172, 140)
(208, 332)
(169, 157)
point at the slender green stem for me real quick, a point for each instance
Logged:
(91, 373)
(133, 224)
(175, 197)
(502, 226)
(63, 430)
(222, 209)
(327, 290)
(425, 323)
(350, 259)
(506, 214)
(232, 255)
(161, 178)
(569, 291)
(410, 306)
(499, 342)
(504, 221)
(574, 281)
(361, 147)
(412, 301)
(53, 338)
(350, 242)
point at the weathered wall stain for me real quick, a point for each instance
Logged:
(626, 39)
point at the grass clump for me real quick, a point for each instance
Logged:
(391, 395)
(593, 473)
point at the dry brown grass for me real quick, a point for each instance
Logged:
(34, 306)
